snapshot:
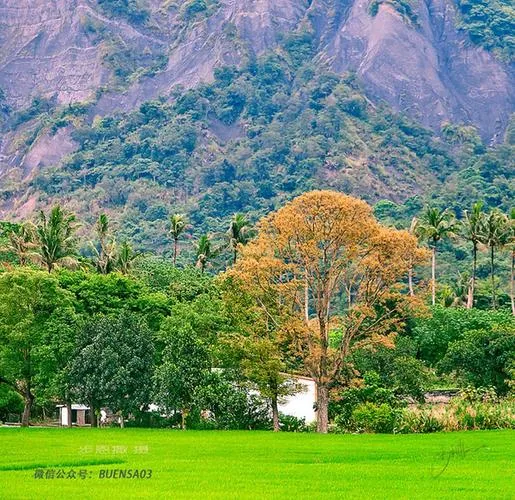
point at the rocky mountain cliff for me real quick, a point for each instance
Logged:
(425, 67)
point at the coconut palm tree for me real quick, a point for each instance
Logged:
(55, 232)
(412, 230)
(435, 225)
(495, 233)
(471, 231)
(22, 242)
(178, 224)
(239, 233)
(204, 251)
(512, 266)
(125, 257)
(106, 254)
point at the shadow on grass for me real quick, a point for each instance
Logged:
(69, 463)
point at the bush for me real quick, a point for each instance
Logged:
(371, 417)
(289, 423)
(11, 403)
(460, 415)
(372, 392)
(418, 422)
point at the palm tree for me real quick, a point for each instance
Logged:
(178, 225)
(495, 233)
(412, 230)
(56, 237)
(239, 233)
(435, 225)
(22, 243)
(512, 274)
(204, 252)
(106, 255)
(471, 231)
(126, 257)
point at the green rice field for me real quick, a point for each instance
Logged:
(41, 463)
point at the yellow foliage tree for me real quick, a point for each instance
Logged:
(334, 273)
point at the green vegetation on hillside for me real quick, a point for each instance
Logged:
(248, 141)
(491, 24)
(132, 10)
(403, 7)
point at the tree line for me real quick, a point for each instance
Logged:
(308, 291)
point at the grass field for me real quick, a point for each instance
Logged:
(255, 464)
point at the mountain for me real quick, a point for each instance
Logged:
(212, 106)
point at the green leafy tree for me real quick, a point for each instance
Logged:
(435, 225)
(483, 358)
(56, 238)
(30, 302)
(256, 345)
(178, 225)
(433, 334)
(113, 363)
(188, 339)
(58, 344)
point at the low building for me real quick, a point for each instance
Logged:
(81, 415)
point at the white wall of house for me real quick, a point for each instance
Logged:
(63, 416)
(300, 405)
(63, 413)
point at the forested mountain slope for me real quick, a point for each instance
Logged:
(214, 106)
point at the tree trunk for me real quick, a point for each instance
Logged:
(512, 282)
(29, 399)
(306, 301)
(322, 408)
(69, 412)
(433, 276)
(184, 414)
(94, 416)
(122, 421)
(174, 252)
(472, 287)
(492, 276)
(275, 414)
(410, 281)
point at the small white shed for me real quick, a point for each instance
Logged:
(80, 415)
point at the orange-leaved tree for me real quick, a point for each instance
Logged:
(335, 274)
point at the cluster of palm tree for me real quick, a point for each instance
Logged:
(491, 230)
(238, 233)
(51, 242)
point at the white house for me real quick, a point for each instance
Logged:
(301, 404)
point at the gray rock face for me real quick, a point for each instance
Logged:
(43, 51)
(431, 71)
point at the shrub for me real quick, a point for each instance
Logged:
(289, 423)
(342, 409)
(371, 417)
(419, 422)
